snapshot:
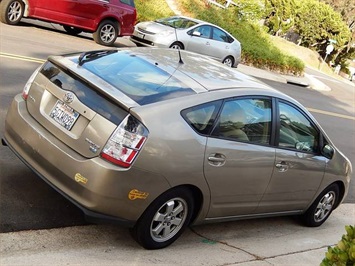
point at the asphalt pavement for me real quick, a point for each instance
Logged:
(272, 241)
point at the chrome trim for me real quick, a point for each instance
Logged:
(249, 216)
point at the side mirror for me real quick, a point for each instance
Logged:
(328, 151)
(196, 33)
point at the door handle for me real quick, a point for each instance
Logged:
(207, 43)
(216, 159)
(282, 166)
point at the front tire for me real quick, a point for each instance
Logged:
(177, 45)
(165, 219)
(322, 207)
(106, 34)
(11, 11)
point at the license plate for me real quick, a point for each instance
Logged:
(64, 115)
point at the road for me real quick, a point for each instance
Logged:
(29, 203)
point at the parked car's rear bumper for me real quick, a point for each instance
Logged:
(100, 189)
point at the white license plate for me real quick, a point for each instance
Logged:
(64, 115)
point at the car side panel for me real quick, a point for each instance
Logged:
(294, 188)
(94, 184)
(60, 11)
(238, 185)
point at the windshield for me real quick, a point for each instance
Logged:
(177, 22)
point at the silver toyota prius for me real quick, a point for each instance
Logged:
(159, 139)
(189, 34)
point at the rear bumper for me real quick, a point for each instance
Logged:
(97, 187)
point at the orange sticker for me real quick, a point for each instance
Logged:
(80, 179)
(136, 194)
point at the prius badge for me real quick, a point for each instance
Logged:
(68, 97)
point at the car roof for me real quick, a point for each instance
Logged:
(198, 72)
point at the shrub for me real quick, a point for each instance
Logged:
(343, 254)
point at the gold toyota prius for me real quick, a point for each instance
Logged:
(158, 139)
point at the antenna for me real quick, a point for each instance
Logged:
(180, 58)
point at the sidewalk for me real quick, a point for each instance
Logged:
(307, 80)
(272, 241)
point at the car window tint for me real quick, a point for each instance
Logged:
(220, 35)
(139, 79)
(205, 31)
(296, 131)
(202, 117)
(246, 120)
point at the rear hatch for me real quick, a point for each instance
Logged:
(82, 98)
(74, 110)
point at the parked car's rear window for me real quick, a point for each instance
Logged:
(139, 79)
(91, 98)
(128, 2)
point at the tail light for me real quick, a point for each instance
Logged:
(125, 143)
(28, 85)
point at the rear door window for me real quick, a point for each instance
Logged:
(246, 120)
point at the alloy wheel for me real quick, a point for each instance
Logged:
(169, 219)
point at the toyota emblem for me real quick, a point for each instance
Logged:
(68, 97)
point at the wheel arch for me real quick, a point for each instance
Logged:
(178, 42)
(230, 56)
(112, 19)
(196, 194)
(27, 8)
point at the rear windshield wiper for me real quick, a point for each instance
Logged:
(92, 55)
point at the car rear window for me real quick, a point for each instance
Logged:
(128, 2)
(87, 95)
(139, 79)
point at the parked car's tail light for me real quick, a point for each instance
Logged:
(28, 85)
(126, 142)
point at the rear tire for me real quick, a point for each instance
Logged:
(72, 30)
(106, 34)
(322, 207)
(11, 11)
(228, 61)
(165, 219)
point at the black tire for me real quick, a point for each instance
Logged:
(177, 45)
(72, 30)
(11, 11)
(228, 61)
(322, 207)
(165, 219)
(106, 34)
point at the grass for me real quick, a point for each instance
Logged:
(257, 48)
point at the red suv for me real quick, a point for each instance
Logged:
(106, 19)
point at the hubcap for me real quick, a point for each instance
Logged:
(175, 46)
(228, 62)
(14, 11)
(324, 207)
(107, 33)
(168, 220)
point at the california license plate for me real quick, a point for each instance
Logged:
(64, 115)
